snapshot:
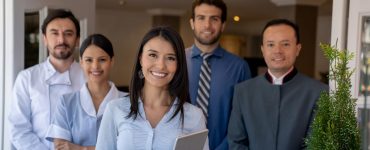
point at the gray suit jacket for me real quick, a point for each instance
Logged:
(273, 117)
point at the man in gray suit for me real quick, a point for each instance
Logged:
(274, 111)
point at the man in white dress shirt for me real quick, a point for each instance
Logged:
(38, 88)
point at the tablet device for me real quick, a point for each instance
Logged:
(193, 141)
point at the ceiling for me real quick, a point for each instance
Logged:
(246, 9)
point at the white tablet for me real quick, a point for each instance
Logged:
(193, 141)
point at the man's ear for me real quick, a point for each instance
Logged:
(299, 46)
(223, 26)
(45, 40)
(262, 49)
(191, 21)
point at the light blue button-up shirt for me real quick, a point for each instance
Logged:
(227, 71)
(119, 132)
(75, 118)
(35, 94)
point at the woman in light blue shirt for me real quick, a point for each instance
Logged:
(158, 109)
(78, 115)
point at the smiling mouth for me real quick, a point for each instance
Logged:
(207, 32)
(158, 74)
(278, 59)
(60, 48)
(97, 73)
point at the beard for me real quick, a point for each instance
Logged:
(204, 41)
(62, 55)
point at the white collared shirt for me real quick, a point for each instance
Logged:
(119, 132)
(75, 118)
(35, 94)
(279, 81)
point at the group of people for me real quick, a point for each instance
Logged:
(63, 104)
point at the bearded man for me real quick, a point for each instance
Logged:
(38, 88)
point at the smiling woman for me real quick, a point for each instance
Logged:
(157, 110)
(79, 114)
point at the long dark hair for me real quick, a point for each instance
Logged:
(179, 85)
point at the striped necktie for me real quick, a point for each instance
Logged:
(204, 84)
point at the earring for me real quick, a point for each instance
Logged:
(140, 73)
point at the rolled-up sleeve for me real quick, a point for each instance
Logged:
(59, 127)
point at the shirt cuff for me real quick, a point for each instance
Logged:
(55, 131)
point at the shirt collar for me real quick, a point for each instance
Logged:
(218, 52)
(283, 79)
(50, 70)
(53, 77)
(88, 105)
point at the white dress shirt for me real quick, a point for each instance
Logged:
(35, 94)
(279, 80)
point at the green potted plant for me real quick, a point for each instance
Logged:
(334, 126)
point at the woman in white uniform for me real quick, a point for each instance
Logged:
(158, 109)
(78, 115)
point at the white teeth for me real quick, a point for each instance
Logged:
(95, 73)
(278, 59)
(158, 74)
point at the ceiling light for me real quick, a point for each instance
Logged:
(236, 18)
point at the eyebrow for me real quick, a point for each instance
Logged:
(96, 57)
(211, 16)
(53, 30)
(56, 30)
(286, 41)
(278, 41)
(152, 50)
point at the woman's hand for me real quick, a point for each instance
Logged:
(60, 144)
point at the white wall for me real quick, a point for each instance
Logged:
(2, 59)
(13, 26)
(9, 70)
